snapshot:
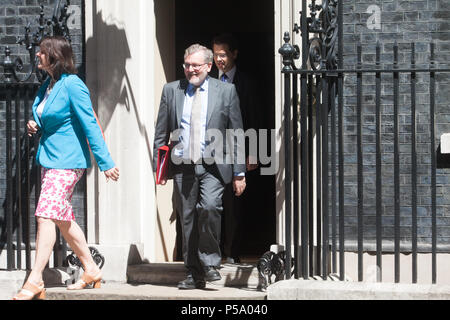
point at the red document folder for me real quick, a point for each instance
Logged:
(162, 164)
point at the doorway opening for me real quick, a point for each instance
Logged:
(252, 23)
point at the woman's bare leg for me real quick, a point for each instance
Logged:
(74, 236)
(45, 240)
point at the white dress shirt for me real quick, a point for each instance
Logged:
(186, 119)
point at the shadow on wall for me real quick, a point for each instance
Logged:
(112, 88)
(165, 41)
(165, 36)
(108, 88)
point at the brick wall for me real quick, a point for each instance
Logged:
(14, 16)
(420, 22)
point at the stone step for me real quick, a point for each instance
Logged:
(127, 291)
(244, 275)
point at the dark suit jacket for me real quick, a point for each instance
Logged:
(248, 97)
(223, 113)
(246, 89)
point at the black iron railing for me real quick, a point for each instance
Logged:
(21, 173)
(320, 231)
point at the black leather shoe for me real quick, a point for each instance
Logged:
(211, 274)
(190, 283)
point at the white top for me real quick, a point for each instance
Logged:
(40, 108)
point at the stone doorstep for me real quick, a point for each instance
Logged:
(170, 273)
(152, 281)
(126, 291)
(233, 275)
(158, 281)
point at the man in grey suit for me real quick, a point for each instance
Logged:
(197, 115)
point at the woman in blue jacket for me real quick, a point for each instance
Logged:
(69, 128)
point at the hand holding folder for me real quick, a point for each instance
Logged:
(162, 164)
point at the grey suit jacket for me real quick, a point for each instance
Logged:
(223, 113)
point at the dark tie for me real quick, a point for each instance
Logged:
(224, 78)
(196, 127)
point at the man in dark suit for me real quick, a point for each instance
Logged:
(225, 49)
(195, 114)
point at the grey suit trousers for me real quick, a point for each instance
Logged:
(199, 191)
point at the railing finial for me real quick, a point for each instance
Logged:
(288, 52)
(8, 65)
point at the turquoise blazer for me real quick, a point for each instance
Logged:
(67, 124)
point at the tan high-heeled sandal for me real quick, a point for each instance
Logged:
(87, 279)
(31, 291)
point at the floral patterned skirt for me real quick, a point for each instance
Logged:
(56, 193)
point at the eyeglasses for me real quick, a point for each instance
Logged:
(196, 67)
(220, 55)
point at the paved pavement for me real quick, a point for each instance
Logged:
(155, 281)
(239, 282)
(299, 289)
